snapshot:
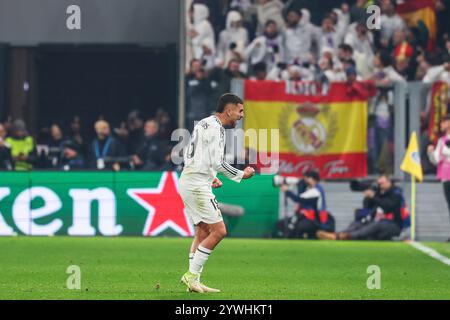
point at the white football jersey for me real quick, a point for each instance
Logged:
(205, 155)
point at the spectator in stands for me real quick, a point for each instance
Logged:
(269, 10)
(168, 165)
(385, 75)
(105, 151)
(259, 71)
(267, 48)
(329, 38)
(358, 11)
(390, 22)
(311, 201)
(382, 219)
(22, 146)
(198, 97)
(165, 124)
(300, 73)
(234, 39)
(440, 156)
(63, 152)
(221, 79)
(150, 154)
(341, 20)
(298, 37)
(76, 136)
(55, 144)
(403, 53)
(130, 133)
(361, 40)
(201, 29)
(326, 72)
(5, 150)
(437, 68)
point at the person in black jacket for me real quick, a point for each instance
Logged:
(150, 154)
(105, 152)
(384, 220)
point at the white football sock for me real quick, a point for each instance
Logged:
(191, 257)
(200, 257)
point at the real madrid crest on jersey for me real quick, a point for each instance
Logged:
(308, 128)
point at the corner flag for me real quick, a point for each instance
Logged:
(411, 163)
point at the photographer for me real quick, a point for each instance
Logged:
(310, 213)
(440, 156)
(380, 218)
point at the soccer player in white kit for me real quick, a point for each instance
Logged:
(202, 160)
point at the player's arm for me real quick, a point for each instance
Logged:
(216, 153)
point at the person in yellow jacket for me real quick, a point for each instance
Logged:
(22, 146)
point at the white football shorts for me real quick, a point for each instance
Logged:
(201, 204)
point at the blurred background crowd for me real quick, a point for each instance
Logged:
(321, 41)
(277, 40)
(137, 143)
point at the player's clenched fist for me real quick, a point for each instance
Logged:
(216, 183)
(248, 172)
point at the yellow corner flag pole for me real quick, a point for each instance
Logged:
(411, 164)
(413, 208)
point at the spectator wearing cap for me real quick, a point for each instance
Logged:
(267, 48)
(150, 154)
(440, 156)
(105, 151)
(22, 146)
(5, 150)
(234, 39)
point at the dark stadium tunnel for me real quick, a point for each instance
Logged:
(106, 81)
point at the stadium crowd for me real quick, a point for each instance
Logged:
(322, 41)
(137, 144)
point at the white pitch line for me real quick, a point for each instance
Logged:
(431, 252)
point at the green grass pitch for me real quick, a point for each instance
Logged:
(150, 268)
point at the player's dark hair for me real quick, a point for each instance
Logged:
(227, 98)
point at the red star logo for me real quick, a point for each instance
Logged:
(165, 207)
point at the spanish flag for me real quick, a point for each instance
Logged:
(324, 130)
(411, 163)
(420, 13)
